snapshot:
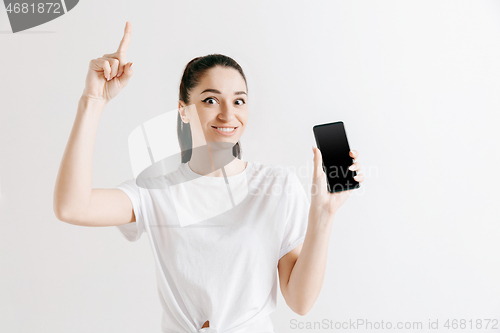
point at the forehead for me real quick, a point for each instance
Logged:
(225, 79)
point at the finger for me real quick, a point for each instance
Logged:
(101, 65)
(126, 38)
(354, 154)
(318, 166)
(114, 63)
(121, 68)
(127, 74)
(116, 55)
(354, 166)
(121, 58)
(105, 67)
(359, 177)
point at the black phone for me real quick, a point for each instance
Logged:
(331, 140)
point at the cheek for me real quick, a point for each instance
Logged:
(244, 118)
(203, 117)
(194, 116)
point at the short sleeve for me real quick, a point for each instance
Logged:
(133, 230)
(297, 214)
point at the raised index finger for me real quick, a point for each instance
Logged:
(126, 38)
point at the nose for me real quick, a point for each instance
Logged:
(226, 113)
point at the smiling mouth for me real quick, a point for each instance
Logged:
(225, 129)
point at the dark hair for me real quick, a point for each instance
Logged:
(194, 71)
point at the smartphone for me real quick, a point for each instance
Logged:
(331, 140)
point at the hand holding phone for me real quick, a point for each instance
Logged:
(331, 140)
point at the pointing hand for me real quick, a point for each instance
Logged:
(109, 74)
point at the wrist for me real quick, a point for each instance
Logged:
(88, 102)
(319, 213)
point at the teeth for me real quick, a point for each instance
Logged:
(225, 129)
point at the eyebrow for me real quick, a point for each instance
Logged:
(218, 92)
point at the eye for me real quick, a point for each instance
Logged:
(208, 99)
(242, 101)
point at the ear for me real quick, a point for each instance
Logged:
(182, 111)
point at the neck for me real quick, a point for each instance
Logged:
(208, 160)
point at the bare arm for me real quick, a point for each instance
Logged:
(75, 201)
(302, 270)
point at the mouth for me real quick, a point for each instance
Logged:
(225, 130)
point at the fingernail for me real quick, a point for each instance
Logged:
(351, 167)
(119, 74)
(131, 64)
(108, 79)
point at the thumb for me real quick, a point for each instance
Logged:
(127, 74)
(318, 165)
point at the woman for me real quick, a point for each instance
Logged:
(218, 227)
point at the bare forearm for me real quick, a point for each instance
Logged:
(306, 278)
(73, 186)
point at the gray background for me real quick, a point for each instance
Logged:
(416, 83)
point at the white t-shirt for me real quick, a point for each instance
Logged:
(217, 250)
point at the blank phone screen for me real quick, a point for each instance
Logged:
(331, 139)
